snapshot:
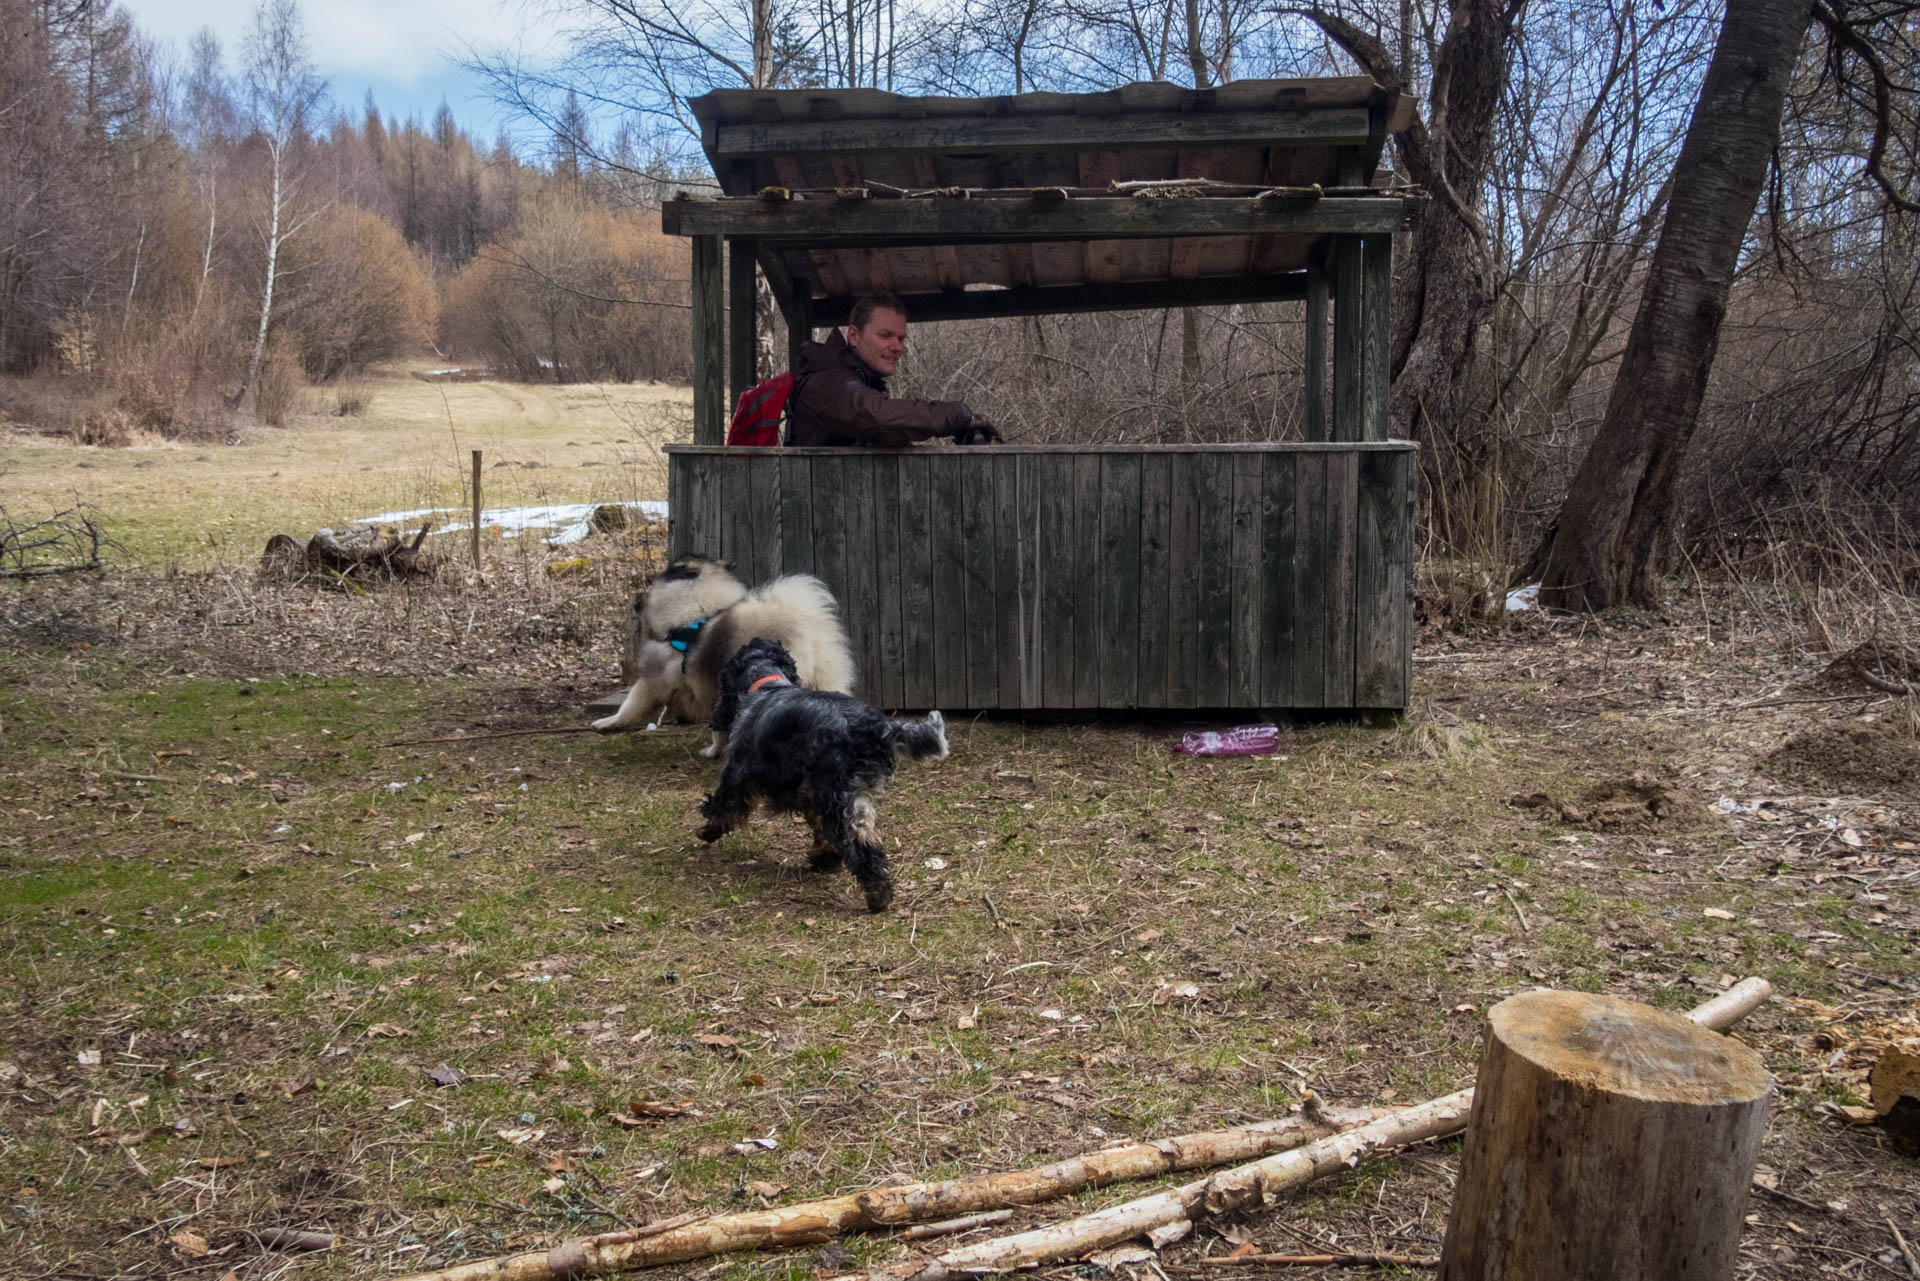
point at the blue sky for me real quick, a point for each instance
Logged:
(402, 50)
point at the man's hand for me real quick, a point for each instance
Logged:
(977, 432)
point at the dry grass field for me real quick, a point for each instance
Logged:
(408, 446)
(301, 931)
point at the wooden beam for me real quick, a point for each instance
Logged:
(709, 342)
(1315, 382)
(1322, 127)
(800, 322)
(1347, 350)
(820, 223)
(742, 319)
(1376, 306)
(1049, 300)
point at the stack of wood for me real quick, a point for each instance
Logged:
(360, 554)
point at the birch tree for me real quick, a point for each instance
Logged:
(283, 91)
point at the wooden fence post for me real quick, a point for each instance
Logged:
(476, 511)
(1608, 1141)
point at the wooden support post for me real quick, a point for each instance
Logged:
(799, 327)
(1315, 389)
(709, 343)
(1348, 352)
(1376, 306)
(743, 348)
(1607, 1140)
(476, 511)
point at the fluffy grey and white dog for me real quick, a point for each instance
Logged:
(696, 617)
(824, 755)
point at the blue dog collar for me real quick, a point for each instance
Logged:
(683, 643)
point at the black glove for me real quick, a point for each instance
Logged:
(977, 432)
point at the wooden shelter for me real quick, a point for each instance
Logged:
(1194, 576)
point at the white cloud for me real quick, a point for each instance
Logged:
(351, 40)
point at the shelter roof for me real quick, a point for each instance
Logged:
(1052, 200)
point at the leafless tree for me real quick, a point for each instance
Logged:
(283, 91)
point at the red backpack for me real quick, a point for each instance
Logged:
(762, 409)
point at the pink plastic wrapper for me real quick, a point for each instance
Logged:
(1241, 740)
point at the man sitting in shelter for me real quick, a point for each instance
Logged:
(840, 388)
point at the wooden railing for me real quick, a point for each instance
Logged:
(1209, 576)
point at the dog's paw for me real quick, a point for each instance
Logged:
(607, 724)
(824, 859)
(879, 896)
(712, 832)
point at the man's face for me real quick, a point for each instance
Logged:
(880, 341)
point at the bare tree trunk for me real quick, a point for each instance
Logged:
(206, 255)
(1444, 297)
(1607, 544)
(266, 293)
(762, 44)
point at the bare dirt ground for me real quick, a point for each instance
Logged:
(1096, 940)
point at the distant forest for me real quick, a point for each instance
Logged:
(197, 234)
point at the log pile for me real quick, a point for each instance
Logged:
(361, 554)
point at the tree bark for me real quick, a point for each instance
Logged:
(1608, 1140)
(1607, 545)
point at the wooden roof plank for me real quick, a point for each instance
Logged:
(935, 220)
(1146, 295)
(1332, 127)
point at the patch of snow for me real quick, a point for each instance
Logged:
(570, 519)
(1520, 598)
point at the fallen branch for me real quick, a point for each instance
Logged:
(947, 1227)
(505, 733)
(803, 1223)
(1332, 1260)
(1263, 1180)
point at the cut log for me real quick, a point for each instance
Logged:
(676, 1241)
(1608, 1140)
(1895, 1082)
(358, 554)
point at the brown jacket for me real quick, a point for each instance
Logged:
(839, 400)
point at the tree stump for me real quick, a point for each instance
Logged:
(1608, 1141)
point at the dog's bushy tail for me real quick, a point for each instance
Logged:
(919, 740)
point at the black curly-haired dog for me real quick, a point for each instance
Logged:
(824, 755)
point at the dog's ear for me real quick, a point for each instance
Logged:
(734, 679)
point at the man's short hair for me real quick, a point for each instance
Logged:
(866, 304)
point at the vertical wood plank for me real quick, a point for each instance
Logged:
(1249, 598)
(1213, 528)
(799, 324)
(1279, 603)
(763, 499)
(743, 346)
(917, 620)
(1310, 580)
(796, 514)
(1380, 583)
(1347, 346)
(1183, 582)
(1089, 571)
(1013, 553)
(1156, 559)
(1314, 389)
(830, 543)
(677, 506)
(1054, 489)
(1119, 580)
(1339, 519)
(709, 342)
(737, 516)
(946, 525)
(978, 556)
(861, 603)
(886, 552)
(1376, 306)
